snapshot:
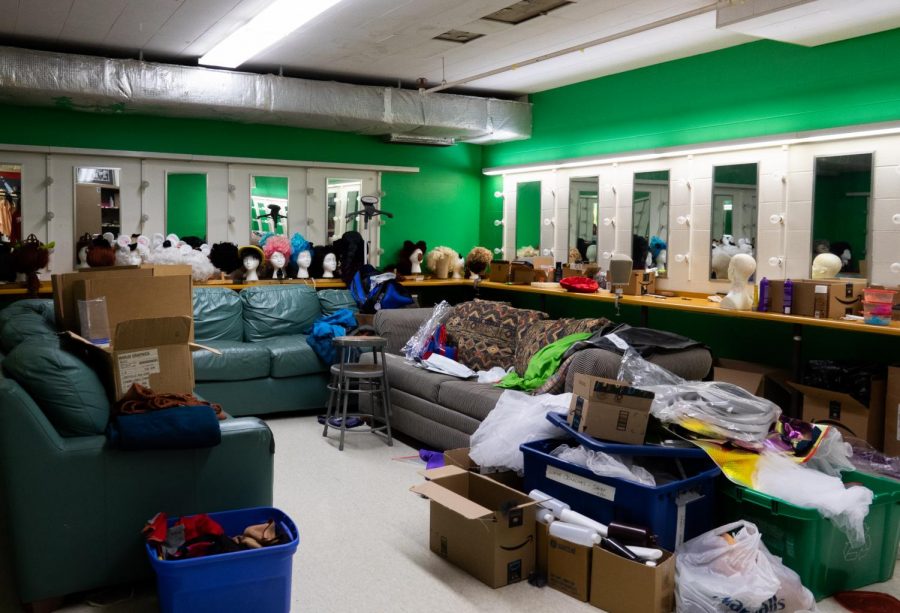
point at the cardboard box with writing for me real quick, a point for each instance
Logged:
(569, 568)
(892, 413)
(846, 412)
(480, 525)
(609, 410)
(844, 297)
(622, 586)
(642, 282)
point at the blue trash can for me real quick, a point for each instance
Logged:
(257, 580)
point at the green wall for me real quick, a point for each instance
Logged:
(760, 88)
(528, 215)
(440, 204)
(186, 204)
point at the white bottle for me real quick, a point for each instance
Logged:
(548, 502)
(582, 520)
(574, 534)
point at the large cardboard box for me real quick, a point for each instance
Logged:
(153, 352)
(758, 379)
(609, 410)
(619, 585)
(892, 413)
(844, 297)
(480, 525)
(846, 412)
(517, 273)
(569, 568)
(642, 282)
(460, 457)
(541, 548)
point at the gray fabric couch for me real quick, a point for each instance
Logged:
(442, 411)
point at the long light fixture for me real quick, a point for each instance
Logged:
(269, 26)
(799, 138)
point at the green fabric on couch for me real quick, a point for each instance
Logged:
(238, 361)
(278, 310)
(217, 315)
(68, 391)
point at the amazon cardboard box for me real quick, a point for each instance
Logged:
(642, 282)
(846, 412)
(844, 297)
(460, 457)
(619, 585)
(569, 568)
(517, 273)
(758, 379)
(609, 410)
(480, 525)
(892, 413)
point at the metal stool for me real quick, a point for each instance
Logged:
(370, 379)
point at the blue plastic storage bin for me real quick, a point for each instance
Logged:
(257, 580)
(676, 511)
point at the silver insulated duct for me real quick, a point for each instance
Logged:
(87, 83)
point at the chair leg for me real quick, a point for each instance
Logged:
(386, 407)
(346, 393)
(330, 406)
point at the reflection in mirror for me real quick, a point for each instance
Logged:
(734, 214)
(528, 219)
(11, 202)
(583, 211)
(96, 206)
(343, 200)
(843, 186)
(268, 206)
(186, 204)
(650, 220)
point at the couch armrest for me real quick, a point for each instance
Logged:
(398, 325)
(690, 364)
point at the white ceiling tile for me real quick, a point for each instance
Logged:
(90, 21)
(42, 19)
(192, 19)
(139, 21)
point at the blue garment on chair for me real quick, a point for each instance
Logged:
(184, 427)
(328, 327)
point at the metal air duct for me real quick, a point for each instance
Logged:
(93, 84)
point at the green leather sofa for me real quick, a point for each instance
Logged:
(73, 507)
(265, 365)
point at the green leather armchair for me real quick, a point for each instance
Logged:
(74, 507)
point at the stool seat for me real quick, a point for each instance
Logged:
(350, 378)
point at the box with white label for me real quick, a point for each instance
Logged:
(676, 507)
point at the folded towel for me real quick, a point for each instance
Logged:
(183, 427)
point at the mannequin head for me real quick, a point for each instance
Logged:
(329, 265)
(277, 260)
(304, 259)
(826, 266)
(741, 268)
(409, 259)
(252, 258)
(251, 262)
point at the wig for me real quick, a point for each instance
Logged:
(254, 252)
(224, 256)
(100, 253)
(28, 257)
(318, 256)
(404, 264)
(478, 260)
(277, 244)
(201, 268)
(194, 241)
(350, 251)
(298, 244)
(440, 261)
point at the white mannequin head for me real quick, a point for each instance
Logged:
(416, 262)
(826, 266)
(277, 260)
(82, 257)
(329, 265)
(304, 259)
(740, 269)
(251, 262)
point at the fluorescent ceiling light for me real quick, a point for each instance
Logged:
(271, 25)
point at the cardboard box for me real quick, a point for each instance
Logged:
(517, 273)
(609, 410)
(569, 568)
(580, 270)
(642, 282)
(758, 379)
(892, 413)
(845, 412)
(541, 548)
(622, 586)
(844, 297)
(460, 457)
(480, 525)
(153, 352)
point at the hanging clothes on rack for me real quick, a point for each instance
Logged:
(8, 215)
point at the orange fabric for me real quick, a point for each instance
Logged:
(140, 399)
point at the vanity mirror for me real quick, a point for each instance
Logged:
(343, 199)
(841, 194)
(528, 219)
(11, 202)
(97, 205)
(186, 204)
(268, 206)
(583, 211)
(733, 223)
(650, 220)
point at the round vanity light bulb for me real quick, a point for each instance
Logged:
(548, 222)
(498, 250)
(498, 194)
(683, 220)
(896, 218)
(498, 222)
(895, 268)
(775, 261)
(609, 221)
(606, 255)
(681, 257)
(776, 218)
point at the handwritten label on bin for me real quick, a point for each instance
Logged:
(136, 367)
(601, 490)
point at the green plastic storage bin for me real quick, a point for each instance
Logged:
(812, 546)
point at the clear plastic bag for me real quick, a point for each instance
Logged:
(415, 346)
(715, 573)
(726, 410)
(605, 465)
(516, 419)
(833, 454)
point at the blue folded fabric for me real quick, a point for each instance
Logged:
(326, 328)
(183, 427)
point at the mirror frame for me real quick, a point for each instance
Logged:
(712, 204)
(668, 207)
(573, 220)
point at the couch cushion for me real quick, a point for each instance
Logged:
(69, 393)
(239, 361)
(291, 356)
(469, 397)
(26, 325)
(539, 334)
(217, 315)
(485, 332)
(41, 306)
(278, 310)
(398, 325)
(332, 300)
(405, 376)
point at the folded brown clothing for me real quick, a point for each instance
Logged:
(140, 399)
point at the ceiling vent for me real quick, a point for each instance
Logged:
(458, 36)
(413, 139)
(524, 10)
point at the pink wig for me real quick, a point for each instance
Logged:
(277, 244)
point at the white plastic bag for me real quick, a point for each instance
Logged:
(516, 419)
(415, 346)
(833, 455)
(713, 575)
(603, 464)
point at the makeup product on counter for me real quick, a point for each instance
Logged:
(763, 305)
(788, 296)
